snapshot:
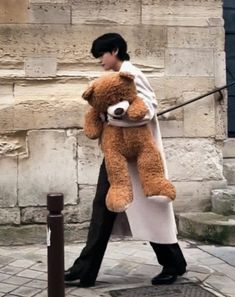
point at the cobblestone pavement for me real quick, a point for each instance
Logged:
(127, 264)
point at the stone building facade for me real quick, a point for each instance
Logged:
(45, 65)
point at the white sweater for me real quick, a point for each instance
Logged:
(144, 90)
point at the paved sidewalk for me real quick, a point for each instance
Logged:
(127, 264)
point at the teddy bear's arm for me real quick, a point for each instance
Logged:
(137, 110)
(93, 124)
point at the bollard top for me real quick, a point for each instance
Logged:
(55, 202)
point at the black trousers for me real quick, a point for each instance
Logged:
(88, 263)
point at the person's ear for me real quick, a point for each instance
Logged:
(126, 75)
(115, 52)
(88, 93)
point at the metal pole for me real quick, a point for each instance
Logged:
(55, 245)
(197, 98)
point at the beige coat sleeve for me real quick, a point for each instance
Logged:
(144, 91)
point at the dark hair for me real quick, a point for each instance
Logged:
(110, 42)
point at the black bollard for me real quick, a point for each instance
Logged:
(55, 245)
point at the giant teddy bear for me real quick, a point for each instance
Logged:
(120, 144)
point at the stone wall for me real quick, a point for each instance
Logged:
(45, 65)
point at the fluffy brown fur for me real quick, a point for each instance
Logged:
(121, 144)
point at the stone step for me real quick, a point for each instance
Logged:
(223, 201)
(229, 170)
(207, 226)
(229, 148)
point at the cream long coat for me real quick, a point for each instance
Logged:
(145, 219)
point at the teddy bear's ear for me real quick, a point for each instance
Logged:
(88, 93)
(126, 75)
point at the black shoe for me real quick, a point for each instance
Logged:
(86, 284)
(71, 275)
(164, 279)
(181, 271)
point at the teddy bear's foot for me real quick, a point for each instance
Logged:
(118, 198)
(160, 187)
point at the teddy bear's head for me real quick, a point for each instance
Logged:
(111, 89)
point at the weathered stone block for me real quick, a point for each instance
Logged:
(146, 45)
(109, 11)
(229, 148)
(72, 44)
(175, 115)
(229, 170)
(73, 214)
(216, 22)
(32, 215)
(13, 144)
(208, 226)
(6, 97)
(49, 13)
(89, 160)
(220, 69)
(86, 195)
(52, 105)
(40, 67)
(172, 90)
(55, 114)
(48, 1)
(196, 194)
(223, 201)
(9, 216)
(11, 235)
(189, 62)
(64, 90)
(13, 11)
(158, 85)
(180, 13)
(199, 116)
(193, 159)
(50, 167)
(6, 116)
(176, 86)
(171, 128)
(184, 37)
(31, 234)
(8, 182)
(181, 21)
(79, 214)
(76, 232)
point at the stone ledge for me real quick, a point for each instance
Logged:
(32, 234)
(207, 226)
(223, 201)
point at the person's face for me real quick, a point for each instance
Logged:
(110, 61)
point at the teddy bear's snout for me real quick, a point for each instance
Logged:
(119, 111)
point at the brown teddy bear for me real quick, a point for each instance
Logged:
(121, 144)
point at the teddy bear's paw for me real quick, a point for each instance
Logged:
(159, 187)
(168, 190)
(117, 207)
(160, 199)
(118, 198)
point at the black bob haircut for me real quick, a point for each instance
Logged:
(110, 42)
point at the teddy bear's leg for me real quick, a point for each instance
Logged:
(120, 192)
(151, 174)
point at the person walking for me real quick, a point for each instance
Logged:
(146, 219)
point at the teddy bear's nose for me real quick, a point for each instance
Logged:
(119, 111)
